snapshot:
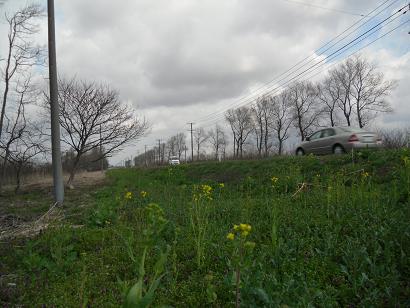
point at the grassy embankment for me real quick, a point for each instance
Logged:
(324, 232)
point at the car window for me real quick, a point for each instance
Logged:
(328, 132)
(351, 129)
(315, 135)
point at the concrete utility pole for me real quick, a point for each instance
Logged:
(192, 142)
(54, 108)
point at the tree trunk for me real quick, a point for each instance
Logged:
(4, 165)
(332, 122)
(234, 143)
(302, 134)
(18, 180)
(266, 138)
(73, 171)
(359, 116)
(6, 88)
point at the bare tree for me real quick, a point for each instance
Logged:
(16, 126)
(304, 106)
(395, 138)
(180, 144)
(369, 91)
(176, 145)
(345, 75)
(262, 115)
(22, 53)
(171, 146)
(22, 139)
(217, 139)
(281, 118)
(200, 136)
(92, 116)
(25, 149)
(240, 120)
(329, 93)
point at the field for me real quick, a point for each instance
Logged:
(286, 231)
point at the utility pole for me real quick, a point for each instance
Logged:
(185, 148)
(192, 142)
(54, 108)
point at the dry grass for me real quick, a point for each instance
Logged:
(29, 212)
(82, 179)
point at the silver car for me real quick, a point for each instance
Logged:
(338, 140)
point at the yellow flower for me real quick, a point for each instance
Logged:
(236, 227)
(143, 194)
(245, 227)
(128, 195)
(221, 185)
(230, 236)
(206, 189)
(365, 174)
(274, 179)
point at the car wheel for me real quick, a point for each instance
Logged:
(338, 149)
(300, 152)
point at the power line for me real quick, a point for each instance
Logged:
(295, 68)
(334, 54)
(324, 8)
(211, 122)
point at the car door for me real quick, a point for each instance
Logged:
(326, 141)
(312, 144)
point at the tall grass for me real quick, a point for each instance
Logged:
(326, 233)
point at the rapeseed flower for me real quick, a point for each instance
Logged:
(245, 227)
(230, 236)
(206, 191)
(128, 195)
(143, 194)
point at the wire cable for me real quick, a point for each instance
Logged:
(297, 66)
(370, 31)
(329, 65)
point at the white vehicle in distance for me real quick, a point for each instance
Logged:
(174, 160)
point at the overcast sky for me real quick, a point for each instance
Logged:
(180, 60)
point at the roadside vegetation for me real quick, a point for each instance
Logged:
(322, 231)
